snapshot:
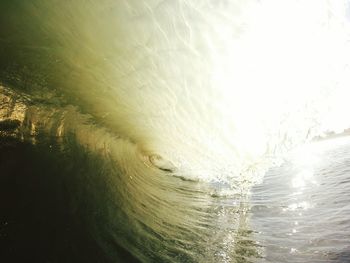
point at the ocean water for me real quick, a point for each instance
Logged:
(174, 131)
(301, 210)
(87, 196)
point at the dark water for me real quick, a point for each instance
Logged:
(38, 223)
(121, 139)
(61, 203)
(87, 196)
(69, 197)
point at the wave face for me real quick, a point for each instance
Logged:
(72, 191)
(95, 198)
(214, 89)
(147, 123)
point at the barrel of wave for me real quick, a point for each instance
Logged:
(209, 90)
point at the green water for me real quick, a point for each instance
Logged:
(86, 196)
(140, 131)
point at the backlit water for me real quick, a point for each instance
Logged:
(87, 196)
(174, 131)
